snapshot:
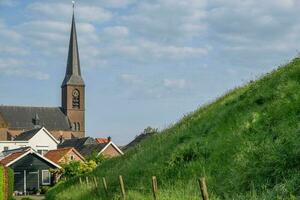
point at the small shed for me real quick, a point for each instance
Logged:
(31, 170)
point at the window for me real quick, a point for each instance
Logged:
(46, 177)
(42, 151)
(71, 157)
(74, 127)
(5, 148)
(78, 126)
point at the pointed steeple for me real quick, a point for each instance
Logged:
(73, 73)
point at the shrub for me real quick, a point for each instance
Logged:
(44, 189)
(76, 168)
(26, 198)
(72, 169)
(10, 183)
(1, 182)
(96, 158)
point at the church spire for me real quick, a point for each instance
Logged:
(73, 73)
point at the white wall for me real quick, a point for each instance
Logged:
(43, 141)
(13, 144)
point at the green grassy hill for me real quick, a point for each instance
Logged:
(246, 144)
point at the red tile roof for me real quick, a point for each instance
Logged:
(102, 140)
(57, 154)
(11, 157)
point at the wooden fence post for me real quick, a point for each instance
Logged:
(203, 188)
(122, 187)
(105, 186)
(87, 180)
(154, 187)
(95, 182)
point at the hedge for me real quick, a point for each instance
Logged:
(2, 188)
(6, 183)
(10, 183)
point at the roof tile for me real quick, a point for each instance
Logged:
(57, 154)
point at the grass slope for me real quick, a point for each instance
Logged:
(246, 144)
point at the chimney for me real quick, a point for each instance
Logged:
(109, 138)
(61, 138)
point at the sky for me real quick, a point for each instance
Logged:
(144, 62)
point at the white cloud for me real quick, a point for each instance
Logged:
(62, 10)
(115, 3)
(158, 32)
(152, 52)
(116, 31)
(11, 50)
(130, 78)
(8, 2)
(175, 83)
(7, 34)
(13, 67)
(167, 20)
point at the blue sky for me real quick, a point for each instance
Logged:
(144, 62)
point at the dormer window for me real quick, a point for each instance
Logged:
(76, 99)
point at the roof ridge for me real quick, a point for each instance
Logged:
(63, 148)
(23, 106)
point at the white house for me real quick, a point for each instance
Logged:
(7, 145)
(39, 139)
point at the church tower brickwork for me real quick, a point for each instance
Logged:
(73, 88)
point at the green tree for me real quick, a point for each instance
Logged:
(97, 158)
(150, 130)
(72, 169)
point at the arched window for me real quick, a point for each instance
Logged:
(78, 126)
(76, 99)
(74, 126)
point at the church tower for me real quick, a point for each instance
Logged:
(73, 87)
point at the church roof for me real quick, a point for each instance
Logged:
(73, 73)
(21, 117)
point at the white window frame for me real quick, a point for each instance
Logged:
(43, 151)
(48, 183)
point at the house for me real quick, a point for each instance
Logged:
(64, 155)
(7, 145)
(10, 151)
(40, 139)
(31, 170)
(87, 146)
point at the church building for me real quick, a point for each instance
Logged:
(67, 121)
